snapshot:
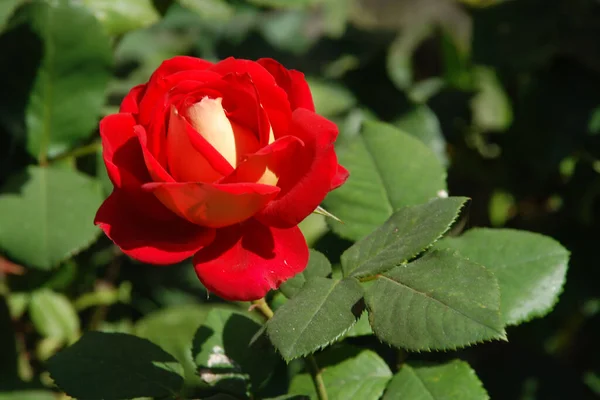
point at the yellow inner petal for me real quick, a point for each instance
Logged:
(209, 120)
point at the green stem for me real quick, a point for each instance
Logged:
(311, 362)
(90, 148)
(315, 373)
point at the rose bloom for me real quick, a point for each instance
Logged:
(220, 162)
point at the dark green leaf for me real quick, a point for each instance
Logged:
(407, 233)
(47, 215)
(438, 302)
(389, 169)
(8, 346)
(318, 266)
(121, 16)
(68, 93)
(222, 346)
(448, 381)
(530, 268)
(107, 366)
(362, 376)
(331, 99)
(318, 315)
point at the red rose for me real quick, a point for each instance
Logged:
(220, 161)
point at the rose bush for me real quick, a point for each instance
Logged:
(220, 162)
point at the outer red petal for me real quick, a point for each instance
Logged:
(247, 260)
(340, 177)
(293, 82)
(156, 170)
(213, 205)
(134, 228)
(158, 84)
(272, 97)
(122, 152)
(131, 101)
(314, 173)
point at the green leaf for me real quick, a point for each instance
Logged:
(530, 268)
(400, 54)
(53, 315)
(68, 92)
(7, 8)
(363, 376)
(318, 266)
(121, 16)
(389, 169)
(47, 215)
(407, 233)
(115, 366)
(318, 315)
(423, 124)
(331, 99)
(28, 395)
(283, 3)
(491, 107)
(173, 329)
(451, 380)
(438, 302)
(224, 345)
(210, 10)
(361, 327)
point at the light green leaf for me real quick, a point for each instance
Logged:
(331, 99)
(47, 215)
(407, 233)
(318, 266)
(53, 315)
(283, 3)
(121, 16)
(224, 343)
(7, 8)
(68, 92)
(210, 10)
(173, 329)
(530, 268)
(399, 57)
(423, 124)
(438, 302)
(448, 381)
(115, 366)
(318, 315)
(28, 395)
(389, 169)
(491, 107)
(363, 376)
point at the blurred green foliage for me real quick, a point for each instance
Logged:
(506, 93)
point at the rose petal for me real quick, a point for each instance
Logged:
(131, 101)
(140, 235)
(272, 97)
(158, 84)
(247, 260)
(292, 82)
(311, 179)
(190, 157)
(213, 205)
(122, 152)
(340, 177)
(268, 164)
(156, 170)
